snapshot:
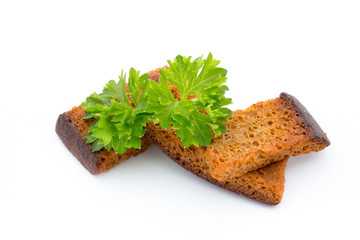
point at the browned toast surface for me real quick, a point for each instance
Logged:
(265, 132)
(264, 185)
(249, 159)
(72, 128)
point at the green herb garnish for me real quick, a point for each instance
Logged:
(195, 116)
(192, 118)
(118, 124)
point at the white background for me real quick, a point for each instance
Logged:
(53, 54)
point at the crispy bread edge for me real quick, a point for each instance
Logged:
(92, 161)
(309, 121)
(71, 138)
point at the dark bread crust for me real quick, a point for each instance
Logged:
(317, 133)
(72, 139)
(265, 185)
(71, 128)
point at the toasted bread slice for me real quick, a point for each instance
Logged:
(264, 185)
(72, 128)
(264, 133)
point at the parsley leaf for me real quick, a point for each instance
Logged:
(123, 109)
(192, 117)
(120, 123)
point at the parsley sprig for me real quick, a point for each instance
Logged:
(196, 116)
(119, 123)
(192, 118)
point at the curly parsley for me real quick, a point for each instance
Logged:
(198, 113)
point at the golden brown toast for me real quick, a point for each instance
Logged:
(251, 157)
(264, 185)
(264, 133)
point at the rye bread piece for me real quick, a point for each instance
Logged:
(265, 185)
(72, 128)
(264, 133)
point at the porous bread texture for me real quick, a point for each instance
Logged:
(264, 185)
(271, 132)
(72, 128)
(264, 133)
